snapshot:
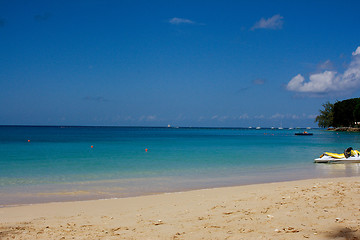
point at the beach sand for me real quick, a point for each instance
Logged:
(307, 209)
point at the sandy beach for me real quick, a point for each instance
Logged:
(307, 209)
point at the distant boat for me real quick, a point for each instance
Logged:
(258, 128)
(281, 126)
(305, 133)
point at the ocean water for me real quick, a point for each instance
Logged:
(45, 164)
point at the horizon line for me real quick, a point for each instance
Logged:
(170, 127)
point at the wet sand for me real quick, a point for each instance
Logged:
(306, 209)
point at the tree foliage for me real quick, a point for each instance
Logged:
(356, 112)
(346, 112)
(326, 117)
(340, 114)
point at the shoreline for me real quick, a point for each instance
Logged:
(115, 188)
(138, 195)
(301, 209)
(344, 129)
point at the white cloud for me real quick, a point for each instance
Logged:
(294, 116)
(178, 21)
(357, 51)
(224, 118)
(277, 116)
(275, 22)
(219, 118)
(329, 81)
(244, 116)
(320, 82)
(148, 118)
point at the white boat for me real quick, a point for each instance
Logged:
(349, 156)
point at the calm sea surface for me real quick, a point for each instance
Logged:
(43, 164)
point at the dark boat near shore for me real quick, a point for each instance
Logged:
(303, 134)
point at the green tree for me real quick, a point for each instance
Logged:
(346, 112)
(356, 113)
(326, 117)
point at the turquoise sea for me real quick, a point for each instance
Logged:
(45, 164)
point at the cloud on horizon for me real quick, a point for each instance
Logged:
(148, 118)
(292, 116)
(178, 21)
(329, 81)
(275, 23)
(243, 116)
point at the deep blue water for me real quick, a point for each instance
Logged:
(59, 163)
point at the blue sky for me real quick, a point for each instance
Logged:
(183, 63)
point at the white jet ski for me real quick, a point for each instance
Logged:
(349, 156)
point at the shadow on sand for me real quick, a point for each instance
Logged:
(345, 233)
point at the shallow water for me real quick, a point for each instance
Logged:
(59, 164)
